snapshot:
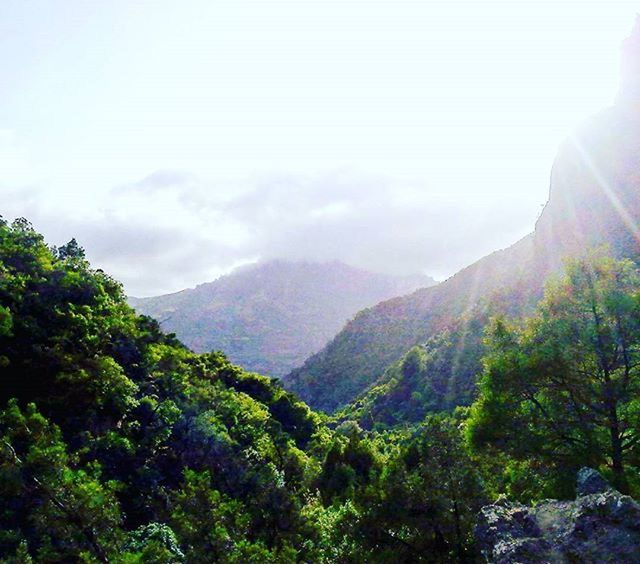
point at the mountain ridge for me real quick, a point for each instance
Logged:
(270, 316)
(378, 336)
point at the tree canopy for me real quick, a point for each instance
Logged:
(118, 444)
(565, 386)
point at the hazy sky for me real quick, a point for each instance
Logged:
(176, 139)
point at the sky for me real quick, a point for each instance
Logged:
(177, 140)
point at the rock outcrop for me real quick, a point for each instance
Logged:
(601, 525)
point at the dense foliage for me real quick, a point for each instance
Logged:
(115, 439)
(563, 391)
(118, 444)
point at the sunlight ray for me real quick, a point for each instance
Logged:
(607, 190)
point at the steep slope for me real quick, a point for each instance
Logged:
(594, 200)
(432, 377)
(117, 444)
(269, 317)
(379, 336)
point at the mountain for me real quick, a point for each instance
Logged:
(594, 201)
(270, 317)
(118, 444)
(378, 336)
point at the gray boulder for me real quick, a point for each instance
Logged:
(590, 482)
(601, 525)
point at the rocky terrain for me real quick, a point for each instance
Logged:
(601, 525)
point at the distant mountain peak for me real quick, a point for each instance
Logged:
(270, 315)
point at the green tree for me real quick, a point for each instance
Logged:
(565, 387)
(350, 465)
(5, 321)
(71, 251)
(153, 543)
(212, 526)
(61, 512)
(129, 423)
(413, 363)
(425, 505)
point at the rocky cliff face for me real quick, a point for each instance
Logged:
(601, 525)
(595, 189)
(595, 180)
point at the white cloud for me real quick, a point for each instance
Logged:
(14, 165)
(171, 230)
(438, 119)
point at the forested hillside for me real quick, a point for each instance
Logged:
(118, 440)
(118, 444)
(271, 316)
(377, 337)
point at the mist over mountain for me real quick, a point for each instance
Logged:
(269, 317)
